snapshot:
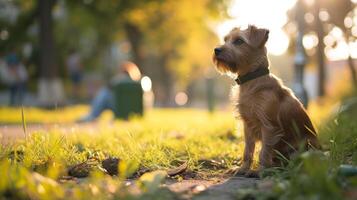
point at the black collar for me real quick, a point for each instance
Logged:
(261, 71)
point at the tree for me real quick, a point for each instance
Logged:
(320, 31)
(50, 86)
(176, 41)
(339, 11)
(327, 15)
(33, 13)
(168, 42)
(17, 25)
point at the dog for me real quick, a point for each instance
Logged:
(270, 111)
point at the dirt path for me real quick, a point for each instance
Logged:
(224, 189)
(227, 189)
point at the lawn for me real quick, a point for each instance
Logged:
(65, 160)
(162, 140)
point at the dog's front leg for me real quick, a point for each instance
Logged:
(269, 139)
(249, 140)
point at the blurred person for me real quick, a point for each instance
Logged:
(14, 74)
(104, 99)
(75, 71)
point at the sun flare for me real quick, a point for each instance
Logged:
(263, 13)
(273, 16)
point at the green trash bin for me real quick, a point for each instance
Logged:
(128, 96)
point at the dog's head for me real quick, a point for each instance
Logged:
(241, 49)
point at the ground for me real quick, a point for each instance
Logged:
(167, 154)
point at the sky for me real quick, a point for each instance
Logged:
(272, 14)
(244, 12)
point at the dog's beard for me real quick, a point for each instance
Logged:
(224, 66)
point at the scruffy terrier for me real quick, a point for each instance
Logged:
(269, 110)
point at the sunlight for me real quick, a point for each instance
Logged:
(342, 49)
(310, 41)
(146, 83)
(263, 13)
(272, 15)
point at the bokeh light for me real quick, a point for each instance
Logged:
(146, 83)
(348, 22)
(324, 15)
(309, 18)
(181, 98)
(310, 41)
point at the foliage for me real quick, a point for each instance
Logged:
(170, 38)
(21, 183)
(182, 40)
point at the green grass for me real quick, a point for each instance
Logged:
(162, 140)
(36, 167)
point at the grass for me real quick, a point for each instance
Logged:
(37, 167)
(155, 141)
(13, 115)
(162, 140)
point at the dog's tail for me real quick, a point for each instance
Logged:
(296, 124)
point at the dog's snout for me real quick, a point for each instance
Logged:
(217, 51)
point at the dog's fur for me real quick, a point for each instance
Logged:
(269, 110)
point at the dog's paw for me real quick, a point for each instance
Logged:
(238, 171)
(252, 174)
(241, 172)
(231, 171)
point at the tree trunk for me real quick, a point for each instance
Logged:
(352, 68)
(166, 82)
(135, 38)
(162, 85)
(320, 52)
(50, 86)
(47, 55)
(300, 57)
(351, 64)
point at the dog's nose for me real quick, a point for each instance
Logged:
(217, 51)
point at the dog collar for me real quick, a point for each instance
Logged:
(261, 71)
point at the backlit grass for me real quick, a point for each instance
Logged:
(36, 166)
(155, 141)
(161, 140)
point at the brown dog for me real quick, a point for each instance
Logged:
(269, 110)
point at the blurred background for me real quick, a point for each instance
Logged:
(61, 52)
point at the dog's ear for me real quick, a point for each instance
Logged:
(257, 37)
(230, 32)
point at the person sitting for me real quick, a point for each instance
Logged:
(104, 99)
(14, 74)
(75, 71)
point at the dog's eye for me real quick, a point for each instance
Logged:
(238, 41)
